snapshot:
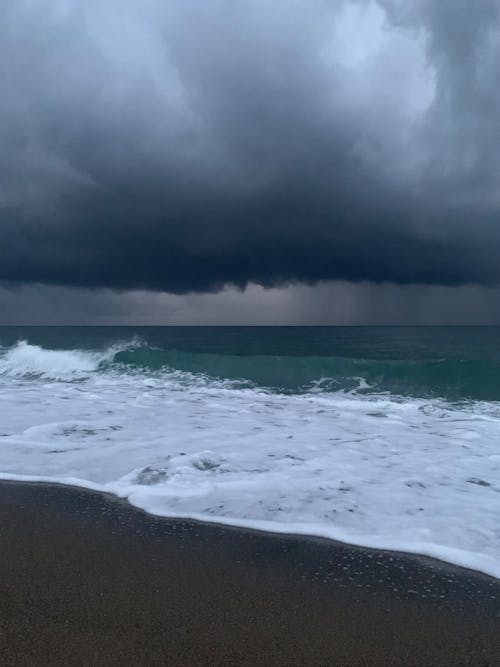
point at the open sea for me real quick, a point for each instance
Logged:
(379, 436)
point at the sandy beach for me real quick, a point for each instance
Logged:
(86, 579)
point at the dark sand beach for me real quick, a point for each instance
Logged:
(86, 579)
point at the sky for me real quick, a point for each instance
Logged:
(250, 162)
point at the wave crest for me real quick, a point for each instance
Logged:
(452, 379)
(27, 360)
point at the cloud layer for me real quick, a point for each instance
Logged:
(338, 303)
(188, 146)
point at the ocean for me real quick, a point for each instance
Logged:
(386, 437)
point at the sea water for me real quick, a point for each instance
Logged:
(384, 437)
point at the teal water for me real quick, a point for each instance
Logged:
(449, 362)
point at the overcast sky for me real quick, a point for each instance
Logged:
(293, 161)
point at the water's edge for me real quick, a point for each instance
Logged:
(429, 555)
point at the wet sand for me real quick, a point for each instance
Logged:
(87, 580)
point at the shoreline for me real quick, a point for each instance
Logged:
(85, 577)
(268, 528)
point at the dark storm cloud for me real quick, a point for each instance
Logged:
(184, 146)
(336, 303)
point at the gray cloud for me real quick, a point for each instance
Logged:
(185, 147)
(327, 303)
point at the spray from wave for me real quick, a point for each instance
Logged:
(25, 360)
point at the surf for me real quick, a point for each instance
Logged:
(451, 379)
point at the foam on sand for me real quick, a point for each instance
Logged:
(377, 470)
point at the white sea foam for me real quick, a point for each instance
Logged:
(408, 474)
(25, 360)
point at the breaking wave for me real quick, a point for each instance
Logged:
(453, 379)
